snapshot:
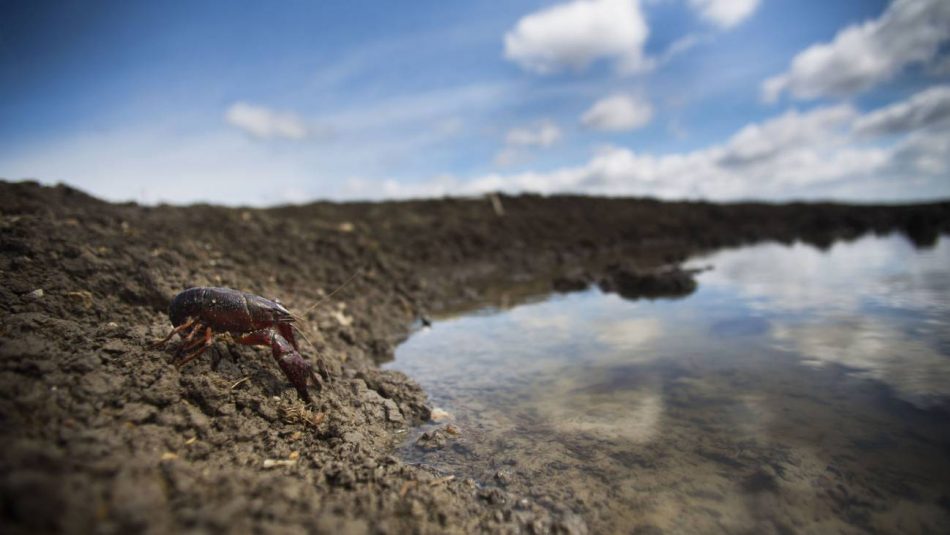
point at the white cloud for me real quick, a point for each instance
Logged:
(757, 143)
(508, 156)
(449, 127)
(575, 34)
(681, 46)
(816, 153)
(923, 153)
(521, 140)
(265, 123)
(544, 134)
(926, 109)
(618, 113)
(725, 13)
(789, 152)
(863, 55)
(441, 105)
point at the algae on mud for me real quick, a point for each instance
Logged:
(101, 434)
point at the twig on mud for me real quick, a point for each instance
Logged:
(409, 485)
(496, 204)
(84, 296)
(406, 487)
(441, 480)
(235, 385)
(272, 463)
(295, 414)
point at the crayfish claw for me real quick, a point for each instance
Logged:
(298, 370)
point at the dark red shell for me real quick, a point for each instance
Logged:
(227, 310)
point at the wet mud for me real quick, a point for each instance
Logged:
(101, 433)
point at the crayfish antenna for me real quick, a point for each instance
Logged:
(300, 317)
(331, 294)
(303, 335)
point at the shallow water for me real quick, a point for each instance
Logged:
(796, 389)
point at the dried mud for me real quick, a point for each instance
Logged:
(100, 433)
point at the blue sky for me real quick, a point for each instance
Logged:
(269, 102)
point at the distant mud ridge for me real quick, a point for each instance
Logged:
(102, 434)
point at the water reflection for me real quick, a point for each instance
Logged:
(885, 271)
(796, 390)
(877, 306)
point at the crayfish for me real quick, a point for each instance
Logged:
(199, 314)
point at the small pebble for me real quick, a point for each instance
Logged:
(35, 294)
(440, 414)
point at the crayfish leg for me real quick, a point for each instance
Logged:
(256, 338)
(193, 350)
(176, 330)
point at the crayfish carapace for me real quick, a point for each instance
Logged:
(198, 314)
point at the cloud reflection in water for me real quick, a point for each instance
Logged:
(876, 305)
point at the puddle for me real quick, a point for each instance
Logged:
(796, 389)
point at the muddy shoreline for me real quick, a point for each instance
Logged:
(99, 433)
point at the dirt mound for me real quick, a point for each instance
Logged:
(101, 433)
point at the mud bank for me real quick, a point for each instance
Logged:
(99, 433)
